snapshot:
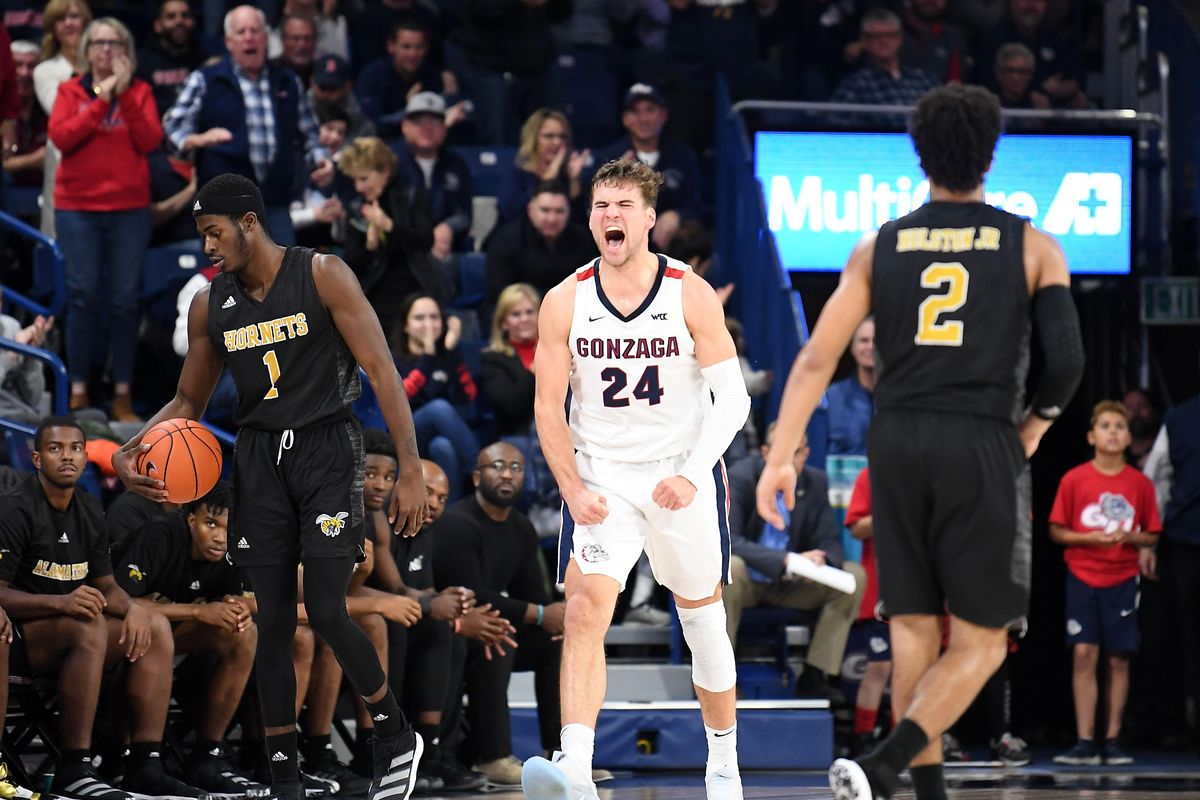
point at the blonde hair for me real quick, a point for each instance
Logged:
(367, 152)
(82, 65)
(55, 11)
(527, 152)
(505, 303)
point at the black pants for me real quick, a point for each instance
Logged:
(489, 734)
(1179, 564)
(419, 660)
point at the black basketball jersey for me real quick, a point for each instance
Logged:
(290, 364)
(951, 306)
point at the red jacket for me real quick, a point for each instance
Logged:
(104, 166)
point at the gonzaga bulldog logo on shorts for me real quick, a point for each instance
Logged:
(332, 526)
(594, 554)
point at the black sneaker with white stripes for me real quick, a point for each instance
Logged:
(213, 772)
(328, 768)
(82, 783)
(153, 781)
(396, 760)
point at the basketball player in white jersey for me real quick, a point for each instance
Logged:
(656, 396)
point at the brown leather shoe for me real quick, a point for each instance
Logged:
(79, 400)
(122, 409)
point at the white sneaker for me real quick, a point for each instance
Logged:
(848, 781)
(548, 780)
(723, 784)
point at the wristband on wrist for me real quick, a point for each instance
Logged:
(426, 605)
(541, 615)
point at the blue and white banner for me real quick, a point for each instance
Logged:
(824, 190)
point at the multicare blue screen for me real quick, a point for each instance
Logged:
(824, 190)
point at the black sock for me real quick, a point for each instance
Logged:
(928, 782)
(209, 748)
(281, 750)
(75, 760)
(430, 734)
(315, 747)
(144, 755)
(389, 719)
(900, 747)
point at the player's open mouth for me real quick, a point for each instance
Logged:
(614, 236)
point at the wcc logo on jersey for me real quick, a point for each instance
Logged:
(1113, 513)
(332, 526)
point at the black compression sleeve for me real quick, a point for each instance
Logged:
(1057, 324)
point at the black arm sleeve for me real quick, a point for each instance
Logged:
(1057, 324)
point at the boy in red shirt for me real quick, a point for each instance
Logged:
(1104, 511)
(879, 646)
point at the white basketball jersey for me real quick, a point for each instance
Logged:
(636, 389)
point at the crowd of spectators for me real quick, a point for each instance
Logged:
(359, 121)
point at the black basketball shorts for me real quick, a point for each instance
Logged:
(950, 496)
(297, 495)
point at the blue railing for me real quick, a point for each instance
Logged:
(49, 271)
(60, 396)
(764, 302)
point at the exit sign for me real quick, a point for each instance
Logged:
(1170, 301)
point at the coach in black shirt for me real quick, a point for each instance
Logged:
(486, 545)
(56, 582)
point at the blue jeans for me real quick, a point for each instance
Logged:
(103, 249)
(445, 439)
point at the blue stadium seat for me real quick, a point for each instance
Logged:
(487, 165)
(590, 98)
(472, 281)
(164, 272)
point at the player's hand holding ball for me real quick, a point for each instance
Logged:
(586, 507)
(674, 493)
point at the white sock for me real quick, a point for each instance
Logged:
(578, 743)
(722, 748)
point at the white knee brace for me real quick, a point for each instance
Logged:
(713, 666)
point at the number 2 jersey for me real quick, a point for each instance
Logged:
(290, 364)
(637, 393)
(951, 305)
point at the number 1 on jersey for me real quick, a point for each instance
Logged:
(953, 279)
(272, 364)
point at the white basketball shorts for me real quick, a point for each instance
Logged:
(689, 549)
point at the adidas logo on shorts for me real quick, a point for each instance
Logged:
(229, 303)
(279, 756)
(243, 544)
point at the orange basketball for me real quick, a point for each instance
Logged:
(184, 455)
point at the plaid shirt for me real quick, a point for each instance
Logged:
(875, 86)
(180, 121)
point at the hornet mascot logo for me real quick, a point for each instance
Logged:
(332, 526)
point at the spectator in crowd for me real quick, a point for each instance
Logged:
(885, 80)
(852, 399)
(595, 26)
(23, 19)
(763, 565)
(377, 20)
(320, 213)
(436, 380)
(64, 21)
(26, 162)
(172, 189)
(331, 88)
(104, 123)
(23, 379)
(544, 155)
(298, 35)
(1104, 512)
(419, 655)
(860, 521)
(170, 56)
(486, 545)
(1015, 65)
(644, 116)
(540, 249)
(177, 567)
(779, 24)
(693, 245)
(932, 44)
(1145, 417)
(425, 159)
(242, 116)
(386, 84)
(332, 35)
(758, 382)
(56, 581)
(388, 233)
(502, 56)
(1057, 73)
